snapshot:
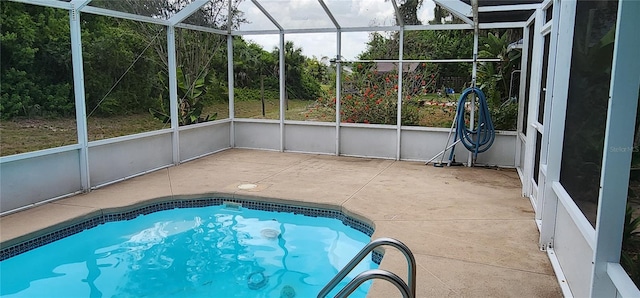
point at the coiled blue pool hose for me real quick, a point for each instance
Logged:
(475, 140)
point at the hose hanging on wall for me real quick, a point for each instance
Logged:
(481, 138)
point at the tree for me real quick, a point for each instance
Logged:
(120, 71)
(443, 16)
(197, 53)
(409, 12)
(497, 75)
(381, 47)
(251, 62)
(298, 81)
(191, 99)
(34, 41)
(319, 69)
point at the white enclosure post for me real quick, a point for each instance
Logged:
(474, 73)
(338, 90)
(173, 92)
(546, 127)
(283, 90)
(230, 79)
(566, 12)
(79, 95)
(523, 73)
(535, 77)
(618, 147)
(399, 104)
(231, 88)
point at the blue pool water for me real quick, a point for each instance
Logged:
(191, 252)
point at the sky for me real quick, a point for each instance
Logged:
(308, 14)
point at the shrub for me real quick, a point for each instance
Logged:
(505, 116)
(246, 94)
(376, 105)
(22, 96)
(370, 96)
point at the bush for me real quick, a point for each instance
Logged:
(21, 96)
(245, 94)
(505, 116)
(371, 96)
(375, 106)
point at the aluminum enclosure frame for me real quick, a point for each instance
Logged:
(39, 177)
(91, 154)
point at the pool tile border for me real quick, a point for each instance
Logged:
(92, 222)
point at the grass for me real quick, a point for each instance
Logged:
(253, 109)
(22, 135)
(30, 134)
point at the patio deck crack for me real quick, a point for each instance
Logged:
(286, 168)
(479, 263)
(367, 183)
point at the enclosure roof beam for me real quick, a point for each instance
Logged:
(499, 25)
(395, 61)
(229, 17)
(79, 4)
(328, 12)
(458, 8)
(267, 14)
(439, 27)
(508, 7)
(504, 25)
(48, 3)
(186, 12)
(123, 15)
(256, 32)
(201, 28)
(399, 19)
(317, 30)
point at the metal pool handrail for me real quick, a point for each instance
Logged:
(376, 273)
(408, 289)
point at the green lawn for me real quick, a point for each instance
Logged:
(24, 135)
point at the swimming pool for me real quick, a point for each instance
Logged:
(215, 251)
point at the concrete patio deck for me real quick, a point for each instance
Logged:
(472, 233)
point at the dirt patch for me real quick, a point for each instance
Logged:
(497, 177)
